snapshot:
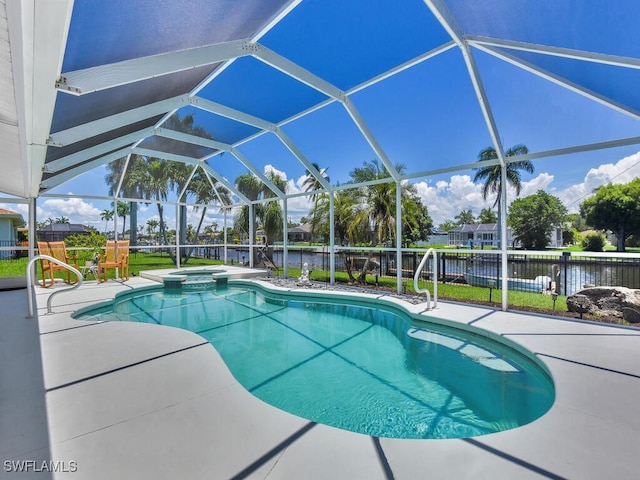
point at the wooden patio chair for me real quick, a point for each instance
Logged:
(116, 255)
(57, 250)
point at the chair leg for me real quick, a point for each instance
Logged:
(44, 278)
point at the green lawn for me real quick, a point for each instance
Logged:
(137, 262)
(462, 293)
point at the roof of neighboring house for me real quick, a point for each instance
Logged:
(477, 227)
(64, 227)
(10, 214)
(304, 228)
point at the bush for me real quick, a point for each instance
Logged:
(89, 245)
(593, 242)
(632, 241)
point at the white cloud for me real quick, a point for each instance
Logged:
(445, 200)
(541, 182)
(623, 171)
(75, 209)
(448, 199)
(272, 169)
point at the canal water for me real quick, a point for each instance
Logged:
(574, 272)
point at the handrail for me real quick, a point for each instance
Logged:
(30, 283)
(416, 276)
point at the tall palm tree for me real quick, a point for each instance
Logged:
(251, 187)
(157, 186)
(379, 201)
(132, 186)
(345, 205)
(269, 213)
(152, 224)
(200, 188)
(122, 209)
(106, 215)
(272, 219)
(312, 184)
(492, 176)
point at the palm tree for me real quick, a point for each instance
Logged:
(487, 215)
(345, 205)
(312, 184)
(132, 186)
(152, 224)
(122, 209)
(465, 217)
(492, 176)
(379, 201)
(269, 213)
(106, 215)
(251, 187)
(62, 219)
(272, 219)
(201, 189)
(157, 187)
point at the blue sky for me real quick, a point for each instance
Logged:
(427, 117)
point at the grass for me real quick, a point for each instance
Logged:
(460, 293)
(137, 262)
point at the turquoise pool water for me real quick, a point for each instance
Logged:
(371, 370)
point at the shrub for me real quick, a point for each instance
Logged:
(91, 245)
(593, 242)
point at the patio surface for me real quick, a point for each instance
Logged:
(139, 401)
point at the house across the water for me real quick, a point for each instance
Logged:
(485, 235)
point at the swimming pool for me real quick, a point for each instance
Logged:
(354, 365)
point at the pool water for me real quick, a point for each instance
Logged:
(364, 369)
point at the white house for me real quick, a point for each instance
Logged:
(486, 235)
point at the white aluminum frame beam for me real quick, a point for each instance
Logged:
(443, 15)
(561, 81)
(112, 122)
(79, 169)
(102, 77)
(614, 60)
(213, 185)
(97, 150)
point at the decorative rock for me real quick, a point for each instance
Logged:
(631, 315)
(618, 302)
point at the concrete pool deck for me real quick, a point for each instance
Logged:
(131, 400)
